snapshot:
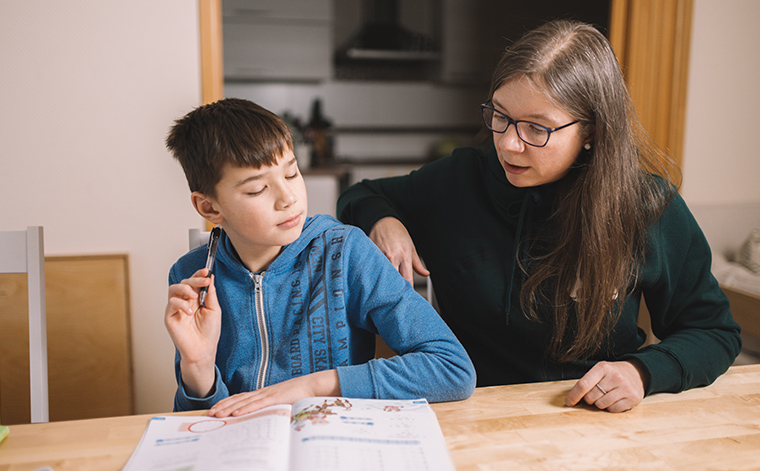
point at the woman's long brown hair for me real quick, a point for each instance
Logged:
(584, 261)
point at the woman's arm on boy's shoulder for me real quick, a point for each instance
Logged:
(431, 362)
(393, 211)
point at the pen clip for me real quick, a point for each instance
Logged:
(213, 242)
(214, 237)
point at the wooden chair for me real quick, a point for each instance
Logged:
(23, 252)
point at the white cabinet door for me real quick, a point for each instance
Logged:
(323, 192)
(282, 9)
(276, 40)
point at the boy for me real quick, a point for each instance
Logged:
(294, 302)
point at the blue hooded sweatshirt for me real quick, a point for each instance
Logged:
(318, 306)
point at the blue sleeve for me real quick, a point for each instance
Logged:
(431, 362)
(183, 402)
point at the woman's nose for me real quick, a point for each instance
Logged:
(510, 141)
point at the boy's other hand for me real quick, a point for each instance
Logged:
(392, 238)
(321, 383)
(195, 330)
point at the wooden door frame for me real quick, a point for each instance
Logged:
(650, 37)
(212, 70)
(652, 40)
(212, 62)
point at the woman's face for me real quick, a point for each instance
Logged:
(525, 165)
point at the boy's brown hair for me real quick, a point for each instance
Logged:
(234, 131)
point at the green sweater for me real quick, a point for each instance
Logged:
(463, 215)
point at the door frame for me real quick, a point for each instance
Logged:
(212, 65)
(652, 40)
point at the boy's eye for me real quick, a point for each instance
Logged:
(254, 193)
(294, 174)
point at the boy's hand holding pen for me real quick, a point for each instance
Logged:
(213, 242)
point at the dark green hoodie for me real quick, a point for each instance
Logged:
(463, 215)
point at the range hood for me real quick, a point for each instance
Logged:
(383, 38)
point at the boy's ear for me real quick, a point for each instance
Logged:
(206, 207)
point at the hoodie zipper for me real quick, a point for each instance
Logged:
(263, 335)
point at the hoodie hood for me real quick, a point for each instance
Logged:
(313, 227)
(520, 207)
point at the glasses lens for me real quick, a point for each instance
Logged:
(494, 120)
(532, 133)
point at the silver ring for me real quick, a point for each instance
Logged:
(601, 389)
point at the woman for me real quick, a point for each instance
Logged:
(541, 248)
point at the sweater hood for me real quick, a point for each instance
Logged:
(313, 227)
(508, 199)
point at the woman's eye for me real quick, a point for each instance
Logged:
(536, 130)
(290, 177)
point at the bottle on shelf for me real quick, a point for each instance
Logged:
(301, 145)
(319, 133)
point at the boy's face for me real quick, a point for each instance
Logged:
(261, 210)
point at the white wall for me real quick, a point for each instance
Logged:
(722, 137)
(88, 90)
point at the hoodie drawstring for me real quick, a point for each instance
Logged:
(531, 199)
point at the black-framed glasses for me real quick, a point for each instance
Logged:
(529, 132)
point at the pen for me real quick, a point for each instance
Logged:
(213, 241)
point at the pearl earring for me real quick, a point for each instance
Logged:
(587, 146)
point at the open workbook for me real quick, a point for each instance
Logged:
(314, 434)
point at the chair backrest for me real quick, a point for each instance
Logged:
(198, 237)
(24, 252)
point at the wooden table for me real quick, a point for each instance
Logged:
(518, 427)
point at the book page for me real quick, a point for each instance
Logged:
(256, 441)
(335, 434)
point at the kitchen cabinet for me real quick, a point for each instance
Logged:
(323, 191)
(469, 40)
(474, 33)
(323, 186)
(267, 40)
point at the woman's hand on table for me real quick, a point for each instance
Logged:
(390, 235)
(614, 386)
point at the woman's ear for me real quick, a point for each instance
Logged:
(206, 207)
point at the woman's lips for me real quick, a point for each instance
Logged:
(513, 169)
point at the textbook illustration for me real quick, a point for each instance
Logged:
(315, 434)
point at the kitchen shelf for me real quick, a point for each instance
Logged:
(407, 129)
